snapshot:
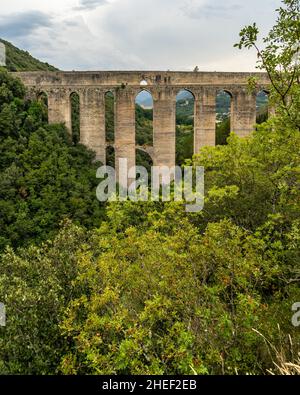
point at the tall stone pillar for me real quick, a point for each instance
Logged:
(59, 108)
(204, 118)
(125, 127)
(243, 112)
(92, 121)
(164, 127)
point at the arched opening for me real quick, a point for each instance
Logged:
(144, 119)
(75, 117)
(42, 98)
(143, 127)
(110, 156)
(185, 112)
(109, 117)
(223, 114)
(262, 106)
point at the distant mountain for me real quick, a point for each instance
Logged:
(19, 60)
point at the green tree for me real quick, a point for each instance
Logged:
(168, 300)
(43, 176)
(280, 59)
(36, 286)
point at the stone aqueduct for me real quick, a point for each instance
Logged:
(164, 86)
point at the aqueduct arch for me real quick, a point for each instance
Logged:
(163, 86)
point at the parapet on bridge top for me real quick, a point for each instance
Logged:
(139, 78)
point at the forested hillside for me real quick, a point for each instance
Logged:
(145, 287)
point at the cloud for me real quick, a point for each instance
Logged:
(90, 4)
(167, 39)
(136, 34)
(194, 10)
(23, 23)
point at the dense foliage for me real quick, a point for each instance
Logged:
(148, 288)
(43, 176)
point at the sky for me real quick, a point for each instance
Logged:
(136, 34)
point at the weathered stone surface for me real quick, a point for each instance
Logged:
(164, 127)
(125, 126)
(59, 105)
(243, 112)
(205, 118)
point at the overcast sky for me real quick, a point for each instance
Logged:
(135, 34)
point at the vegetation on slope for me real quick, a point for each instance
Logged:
(19, 60)
(43, 176)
